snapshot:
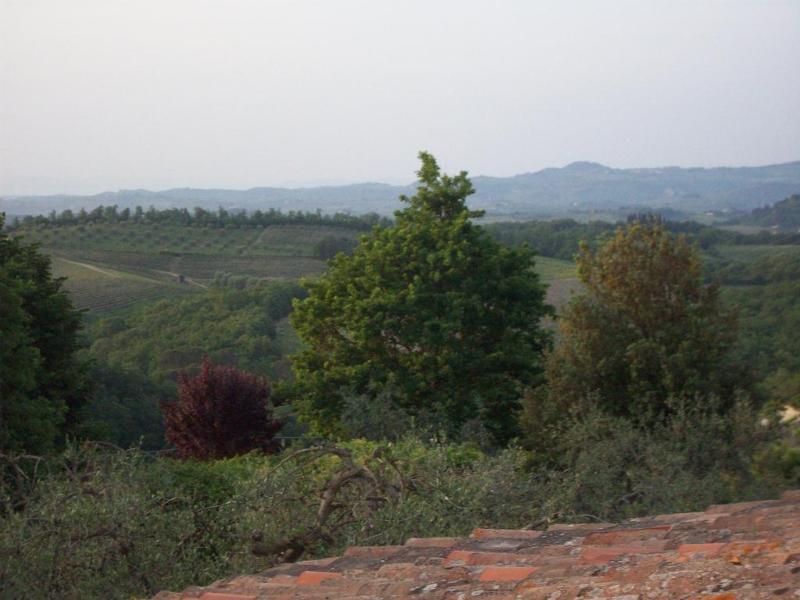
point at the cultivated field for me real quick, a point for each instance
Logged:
(101, 289)
(156, 238)
(748, 253)
(110, 267)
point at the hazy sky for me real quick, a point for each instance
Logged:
(106, 94)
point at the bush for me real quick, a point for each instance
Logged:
(612, 469)
(111, 524)
(379, 418)
(330, 246)
(221, 412)
(104, 523)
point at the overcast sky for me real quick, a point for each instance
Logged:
(106, 94)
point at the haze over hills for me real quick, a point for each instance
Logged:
(579, 186)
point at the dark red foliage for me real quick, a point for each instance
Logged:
(220, 412)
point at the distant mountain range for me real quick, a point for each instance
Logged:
(578, 187)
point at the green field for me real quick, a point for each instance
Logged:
(101, 289)
(752, 253)
(155, 238)
(550, 269)
(110, 267)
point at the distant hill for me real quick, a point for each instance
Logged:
(580, 186)
(783, 215)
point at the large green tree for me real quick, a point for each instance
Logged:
(42, 384)
(432, 310)
(645, 335)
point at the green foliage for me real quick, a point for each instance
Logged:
(123, 408)
(330, 246)
(230, 325)
(136, 358)
(104, 523)
(158, 524)
(770, 317)
(780, 461)
(784, 386)
(111, 525)
(772, 268)
(42, 384)
(612, 468)
(559, 238)
(199, 217)
(378, 416)
(766, 292)
(784, 214)
(645, 332)
(432, 308)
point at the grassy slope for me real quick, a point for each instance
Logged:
(141, 262)
(754, 252)
(104, 290)
(114, 266)
(281, 240)
(110, 267)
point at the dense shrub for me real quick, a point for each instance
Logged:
(105, 523)
(220, 412)
(379, 418)
(330, 246)
(612, 468)
(115, 524)
(123, 409)
(163, 337)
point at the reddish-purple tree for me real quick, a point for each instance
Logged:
(220, 412)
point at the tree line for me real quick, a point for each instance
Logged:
(561, 238)
(197, 217)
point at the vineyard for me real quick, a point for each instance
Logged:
(752, 253)
(198, 266)
(101, 289)
(155, 238)
(110, 267)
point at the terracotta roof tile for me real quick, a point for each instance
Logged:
(737, 551)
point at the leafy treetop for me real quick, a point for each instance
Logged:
(221, 412)
(645, 334)
(431, 309)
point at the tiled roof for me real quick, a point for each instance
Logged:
(733, 551)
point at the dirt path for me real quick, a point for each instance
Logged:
(112, 274)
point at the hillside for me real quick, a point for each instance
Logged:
(783, 215)
(111, 266)
(580, 186)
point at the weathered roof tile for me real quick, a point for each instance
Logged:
(743, 551)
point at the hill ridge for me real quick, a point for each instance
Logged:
(584, 185)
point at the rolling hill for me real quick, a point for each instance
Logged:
(580, 186)
(783, 215)
(113, 266)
